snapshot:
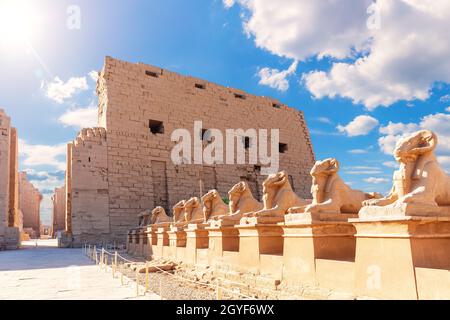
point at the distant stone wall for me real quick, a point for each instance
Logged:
(29, 203)
(59, 210)
(131, 169)
(89, 187)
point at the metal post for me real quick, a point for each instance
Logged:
(219, 294)
(137, 282)
(146, 276)
(95, 251)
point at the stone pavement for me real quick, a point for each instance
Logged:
(47, 272)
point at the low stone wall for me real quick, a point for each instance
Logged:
(349, 257)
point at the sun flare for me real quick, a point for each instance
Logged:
(17, 20)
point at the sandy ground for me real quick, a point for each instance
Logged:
(40, 270)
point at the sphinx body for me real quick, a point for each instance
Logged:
(330, 193)
(159, 216)
(193, 211)
(179, 217)
(278, 197)
(144, 218)
(213, 206)
(420, 185)
(241, 202)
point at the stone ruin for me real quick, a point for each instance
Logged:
(59, 211)
(19, 199)
(124, 166)
(342, 243)
(9, 187)
(30, 207)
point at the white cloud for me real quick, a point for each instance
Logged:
(48, 184)
(400, 61)
(59, 91)
(324, 120)
(275, 78)
(364, 170)
(448, 109)
(376, 180)
(300, 29)
(359, 126)
(36, 173)
(444, 161)
(361, 167)
(323, 133)
(438, 122)
(391, 164)
(228, 3)
(359, 172)
(94, 75)
(80, 118)
(43, 155)
(357, 151)
(398, 128)
(445, 98)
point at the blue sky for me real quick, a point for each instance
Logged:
(304, 53)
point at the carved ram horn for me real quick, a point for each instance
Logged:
(334, 166)
(431, 141)
(283, 178)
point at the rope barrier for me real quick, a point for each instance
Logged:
(116, 258)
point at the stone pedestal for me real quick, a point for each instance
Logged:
(152, 240)
(258, 236)
(398, 256)
(221, 238)
(196, 238)
(162, 246)
(309, 237)
(133, 245)
(150, 235)
(177, 243)
(142, 241)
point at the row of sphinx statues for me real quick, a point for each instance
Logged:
(419, 184)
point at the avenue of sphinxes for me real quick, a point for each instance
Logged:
(337, 242)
